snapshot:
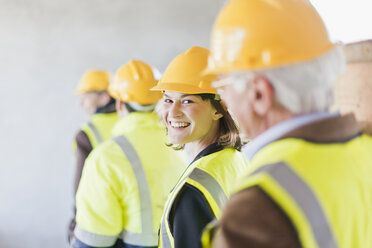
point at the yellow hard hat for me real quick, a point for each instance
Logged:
(93, 81)
(253, 35)
(132, 83)
(183, 74)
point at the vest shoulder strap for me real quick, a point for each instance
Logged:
(147, 237)
(96, 133)
(211, 185)
(305, 199)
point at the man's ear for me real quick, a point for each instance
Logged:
(119, 105)
(121, 109)
(261, 96)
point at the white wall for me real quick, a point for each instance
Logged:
(45, 47)
(347, 21)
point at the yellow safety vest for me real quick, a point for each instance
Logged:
(125, 183)
(325, 189)
(214, 176)
(99, 128)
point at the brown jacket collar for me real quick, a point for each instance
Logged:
(335, 129)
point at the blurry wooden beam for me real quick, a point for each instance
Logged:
(353, 90)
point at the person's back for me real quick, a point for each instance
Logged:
(142, 171)
(96, 131)
(99, 107)
(162, 165)
(325, 168)
(308, 183)
(126, 180)
(99, 127)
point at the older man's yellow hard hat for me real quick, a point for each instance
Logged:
(254, 35)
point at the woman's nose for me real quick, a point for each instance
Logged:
(175, 110)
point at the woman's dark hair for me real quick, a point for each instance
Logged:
(228, 132)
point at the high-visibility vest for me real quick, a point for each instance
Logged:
(98, 129)
(214, 176)
(324, 188)
(125, 183)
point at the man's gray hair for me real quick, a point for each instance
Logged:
(307, 86)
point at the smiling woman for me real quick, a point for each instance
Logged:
(190, 119)
(181, 112)
(195, 117)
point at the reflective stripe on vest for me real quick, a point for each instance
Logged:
(213, 187)
(147, 237)
(96, 240)
(305, 199)
(96, 133)
(165, 242)
(208, 182)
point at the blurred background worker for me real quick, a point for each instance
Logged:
(354, 88)
(196, 118)
(309, 180)
(126, 180)
(99, 107)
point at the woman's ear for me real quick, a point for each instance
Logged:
(216, 115)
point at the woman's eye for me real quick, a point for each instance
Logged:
(167, 100)
(186, 101)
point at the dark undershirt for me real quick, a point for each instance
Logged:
(190, 212)
(83, 148)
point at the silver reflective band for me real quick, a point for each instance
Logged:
(92, 239)
(165, 242)
(144, 196)
(212, 186)
(95, 132)
(139, 239)
(208, 182)
(305, 199)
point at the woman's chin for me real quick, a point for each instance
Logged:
(176, 140)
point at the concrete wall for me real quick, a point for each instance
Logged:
(45, 46)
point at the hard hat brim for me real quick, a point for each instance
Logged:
(241, 67)
(183, 88)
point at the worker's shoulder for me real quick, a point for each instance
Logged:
(108, 152)
(81, 136)
(224, 165)
(367, 137)
(223, 157)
